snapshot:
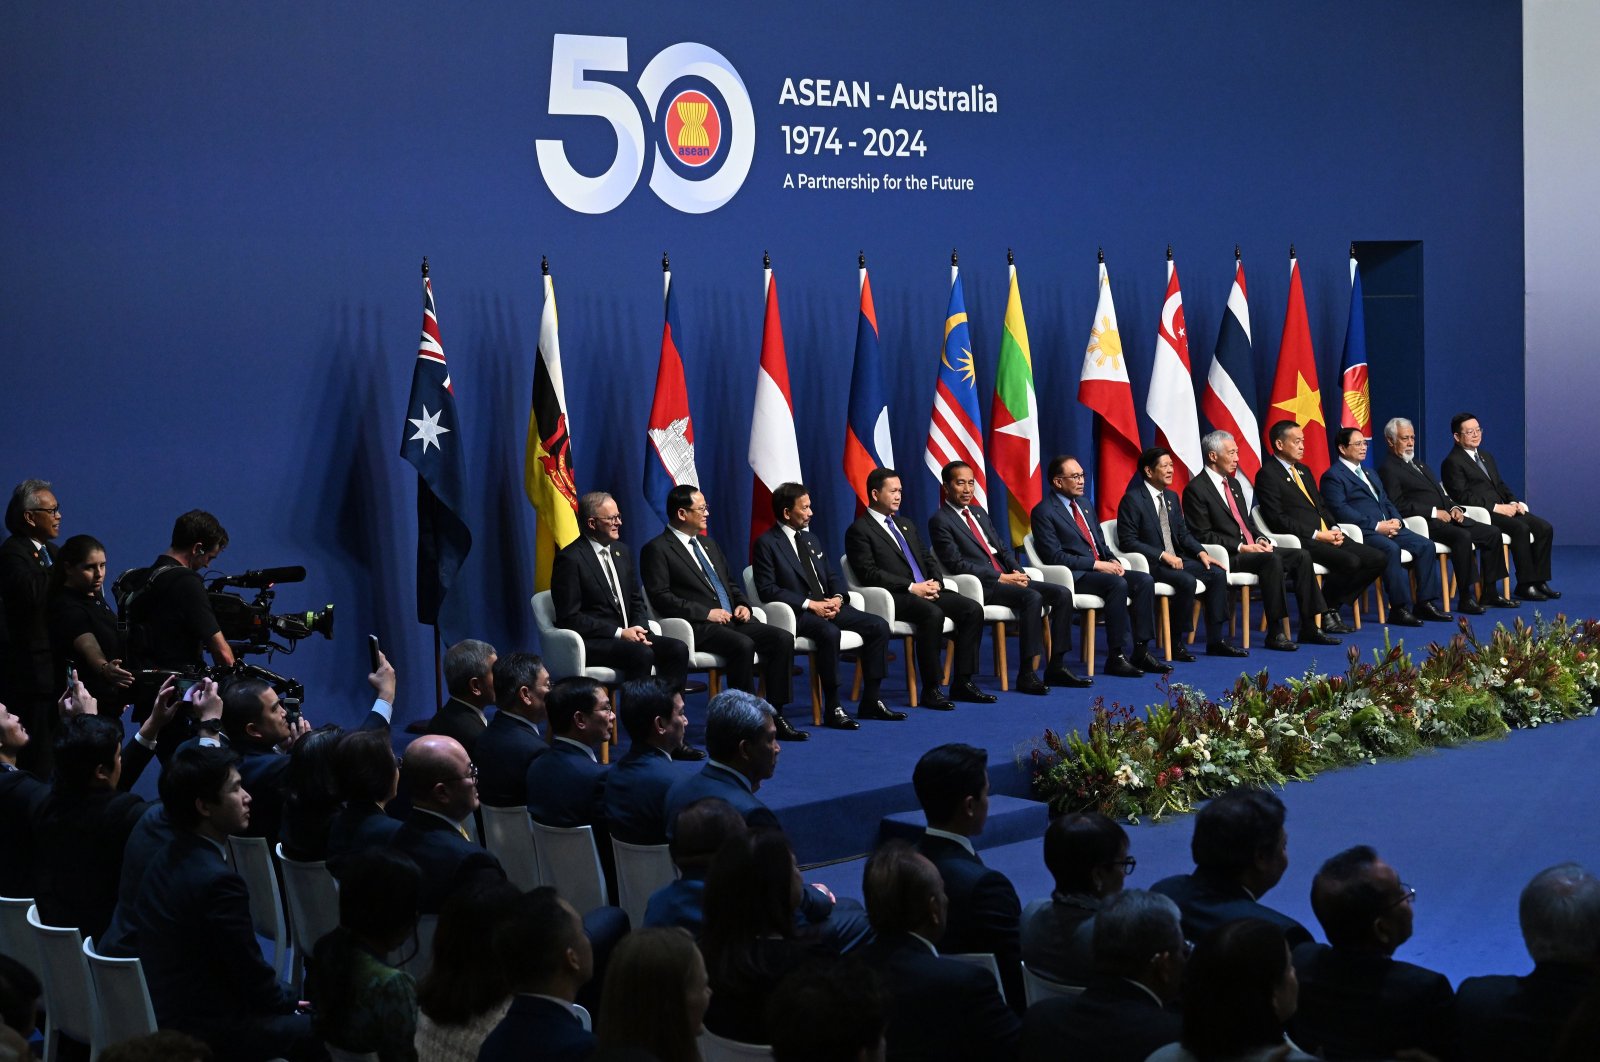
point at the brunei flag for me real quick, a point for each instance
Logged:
(547, 469)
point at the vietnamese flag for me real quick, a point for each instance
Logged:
(1295, 395)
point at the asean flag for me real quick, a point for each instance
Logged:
(1356, 409)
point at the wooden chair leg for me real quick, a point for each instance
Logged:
(997, 632)
(816, 690)
(1377, 595)
(855, 684)
(1244, 606)
(713, 682)
(911, 672)
(1444, 583)
(1049, 643)
(1355, 606)
(1087, 640)
(1505, 551)
(949, 659)
(1194, 621)
(1166, 627)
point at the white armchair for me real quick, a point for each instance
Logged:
(782, 616)
(1089, 605)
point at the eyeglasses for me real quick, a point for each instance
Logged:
(1471, 431)
(472, 773)
(608, 519)
(1072, 475)
(701, 509)
(54, 510)
(1407, 895)
(1126, 864)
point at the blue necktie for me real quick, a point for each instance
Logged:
(916, 571)
(711, 573)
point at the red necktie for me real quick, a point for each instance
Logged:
(987, 552)
(1233, 507)
(1083, 529)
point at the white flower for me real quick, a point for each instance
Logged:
(1503, 660)
(1127, 778)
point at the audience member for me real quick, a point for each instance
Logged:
(369, 776)
(1238, 992)
(656, 994)
(21, 794)
(829, 1012)
(512, 740)
(149, 838)
(311, 795)
(28, 680)
(1356, 999)
(1123, 1015)
(444, 791)
(567, 787)
(84, 633)
(20, 992)
(1087, 855)
(1240, 851)
(952, 785)
(164, 1046)
(464, 993)
(256, 723)
(940, 1008)
(469, 679)
(546, 958)
(699, 832)
(1505, 1016)
(750, 941)
(635, 803)
(742, 741)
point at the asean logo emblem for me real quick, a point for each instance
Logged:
(694, 129)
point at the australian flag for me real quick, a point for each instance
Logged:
(432, 443)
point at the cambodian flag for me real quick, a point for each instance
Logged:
(669, 434)
(866, 437)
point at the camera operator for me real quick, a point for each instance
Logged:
(171, 622)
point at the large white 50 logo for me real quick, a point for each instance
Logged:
(573, 55)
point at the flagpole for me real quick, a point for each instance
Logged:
(438, 660)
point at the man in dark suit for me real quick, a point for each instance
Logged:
(469, 679)
(257, 728)
(547, 959)
(1290, 503)
(1505, 1016)
(595, 593)
(21, 794)
(686, 575)
(789, 565)
(1240, 851)
(1064, 533)
(952, 785)
(444, 791)
(698, 833)
(885, 550)
(191, 921)
(1472, 477)
(1356, 999)
(512, 740)
(1123, 1015)
(1215, 508)
(1150, 523)
(635, 803)
(27, 679)
(1356, 496)
(1415, 491)
(567, 787)
(964, 540)
(940, 1007)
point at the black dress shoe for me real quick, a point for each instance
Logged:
(877, 710)
(1402, 617)
(1122, 667)
(1224, 649)
(688, 753)
(1029, 683)
(934, 698)
(1281, 643)
(1430, 612)
(1548, 591)
(1315, 637)
(786, 729)
(971, 694)
(1333, 623)
(835, 719)
(1530, 592)
(1502, 602)
(1149, 664)
(1182, 655)
(1061, 676)
(1470, 607)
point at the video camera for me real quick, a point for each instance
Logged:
(250, 625)
(290, 691)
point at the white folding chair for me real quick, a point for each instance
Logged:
(1481, 514)
(1354, 533)
(570, 861)
(877, 601)
(1282, 541)
(782, 616)
(983, 960)
(1037, 987)
(564, 653)
(714, 1048)
(16, 938)
(1089, 605)
(1240, 581)
(997, 617)
(313, 900)
(712, 664)
(124, 1010)
(1419, 525)
(511, 840)
(1139, 563)
(641, 870)
(252, 859)
(69, 1001)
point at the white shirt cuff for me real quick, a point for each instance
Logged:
(383, 708)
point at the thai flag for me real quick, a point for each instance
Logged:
(866, 438)
(669, 434)
(1231, 383)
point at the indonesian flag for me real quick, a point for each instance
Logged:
(1232, 380)
(1356, 409)
(955, 430)
(1170, 400)
(669, 434)
(1295, 395)
(774, 452)
(1014, 419)
(1104, 387)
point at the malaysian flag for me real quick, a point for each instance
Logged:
(955, 429)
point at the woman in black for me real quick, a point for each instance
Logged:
(83, 629)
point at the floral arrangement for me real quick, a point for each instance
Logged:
(1262, 733)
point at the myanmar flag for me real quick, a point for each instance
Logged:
(1014, 419)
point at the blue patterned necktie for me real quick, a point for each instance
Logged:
(711, 574)
(916, 570)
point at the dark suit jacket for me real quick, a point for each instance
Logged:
(1503, 1017)
(635, 806)
(1114, 1020)
(447, 859)
(1413, 488)
(262, 770)
(458, 719)
(715, 780)
(506, 749)
(876, 557)
(582, 595)
(680, 903)
(536, 1028)
(1207, 902)
(1284, 507)
(1468, 484)
(1354, 1005)
(22, 592)
(777, 572)
(941, 1010)
(81, 838)
(985, 914)
(1139, 527)
(359, 826)
(150, 837)
(675, 582)
(1206, 512)
(567, 788)
(1352, 502)
(958, 551)
(21, 794)
(1056, 537)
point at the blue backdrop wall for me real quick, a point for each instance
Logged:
(216, 213)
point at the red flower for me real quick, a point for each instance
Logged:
(1177, 773)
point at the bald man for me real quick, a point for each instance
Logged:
(443, 783)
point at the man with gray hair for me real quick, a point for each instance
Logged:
(1505, 1016)
(1415, 491)
(469, 678)
(27, 682)
(1122, 1016)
